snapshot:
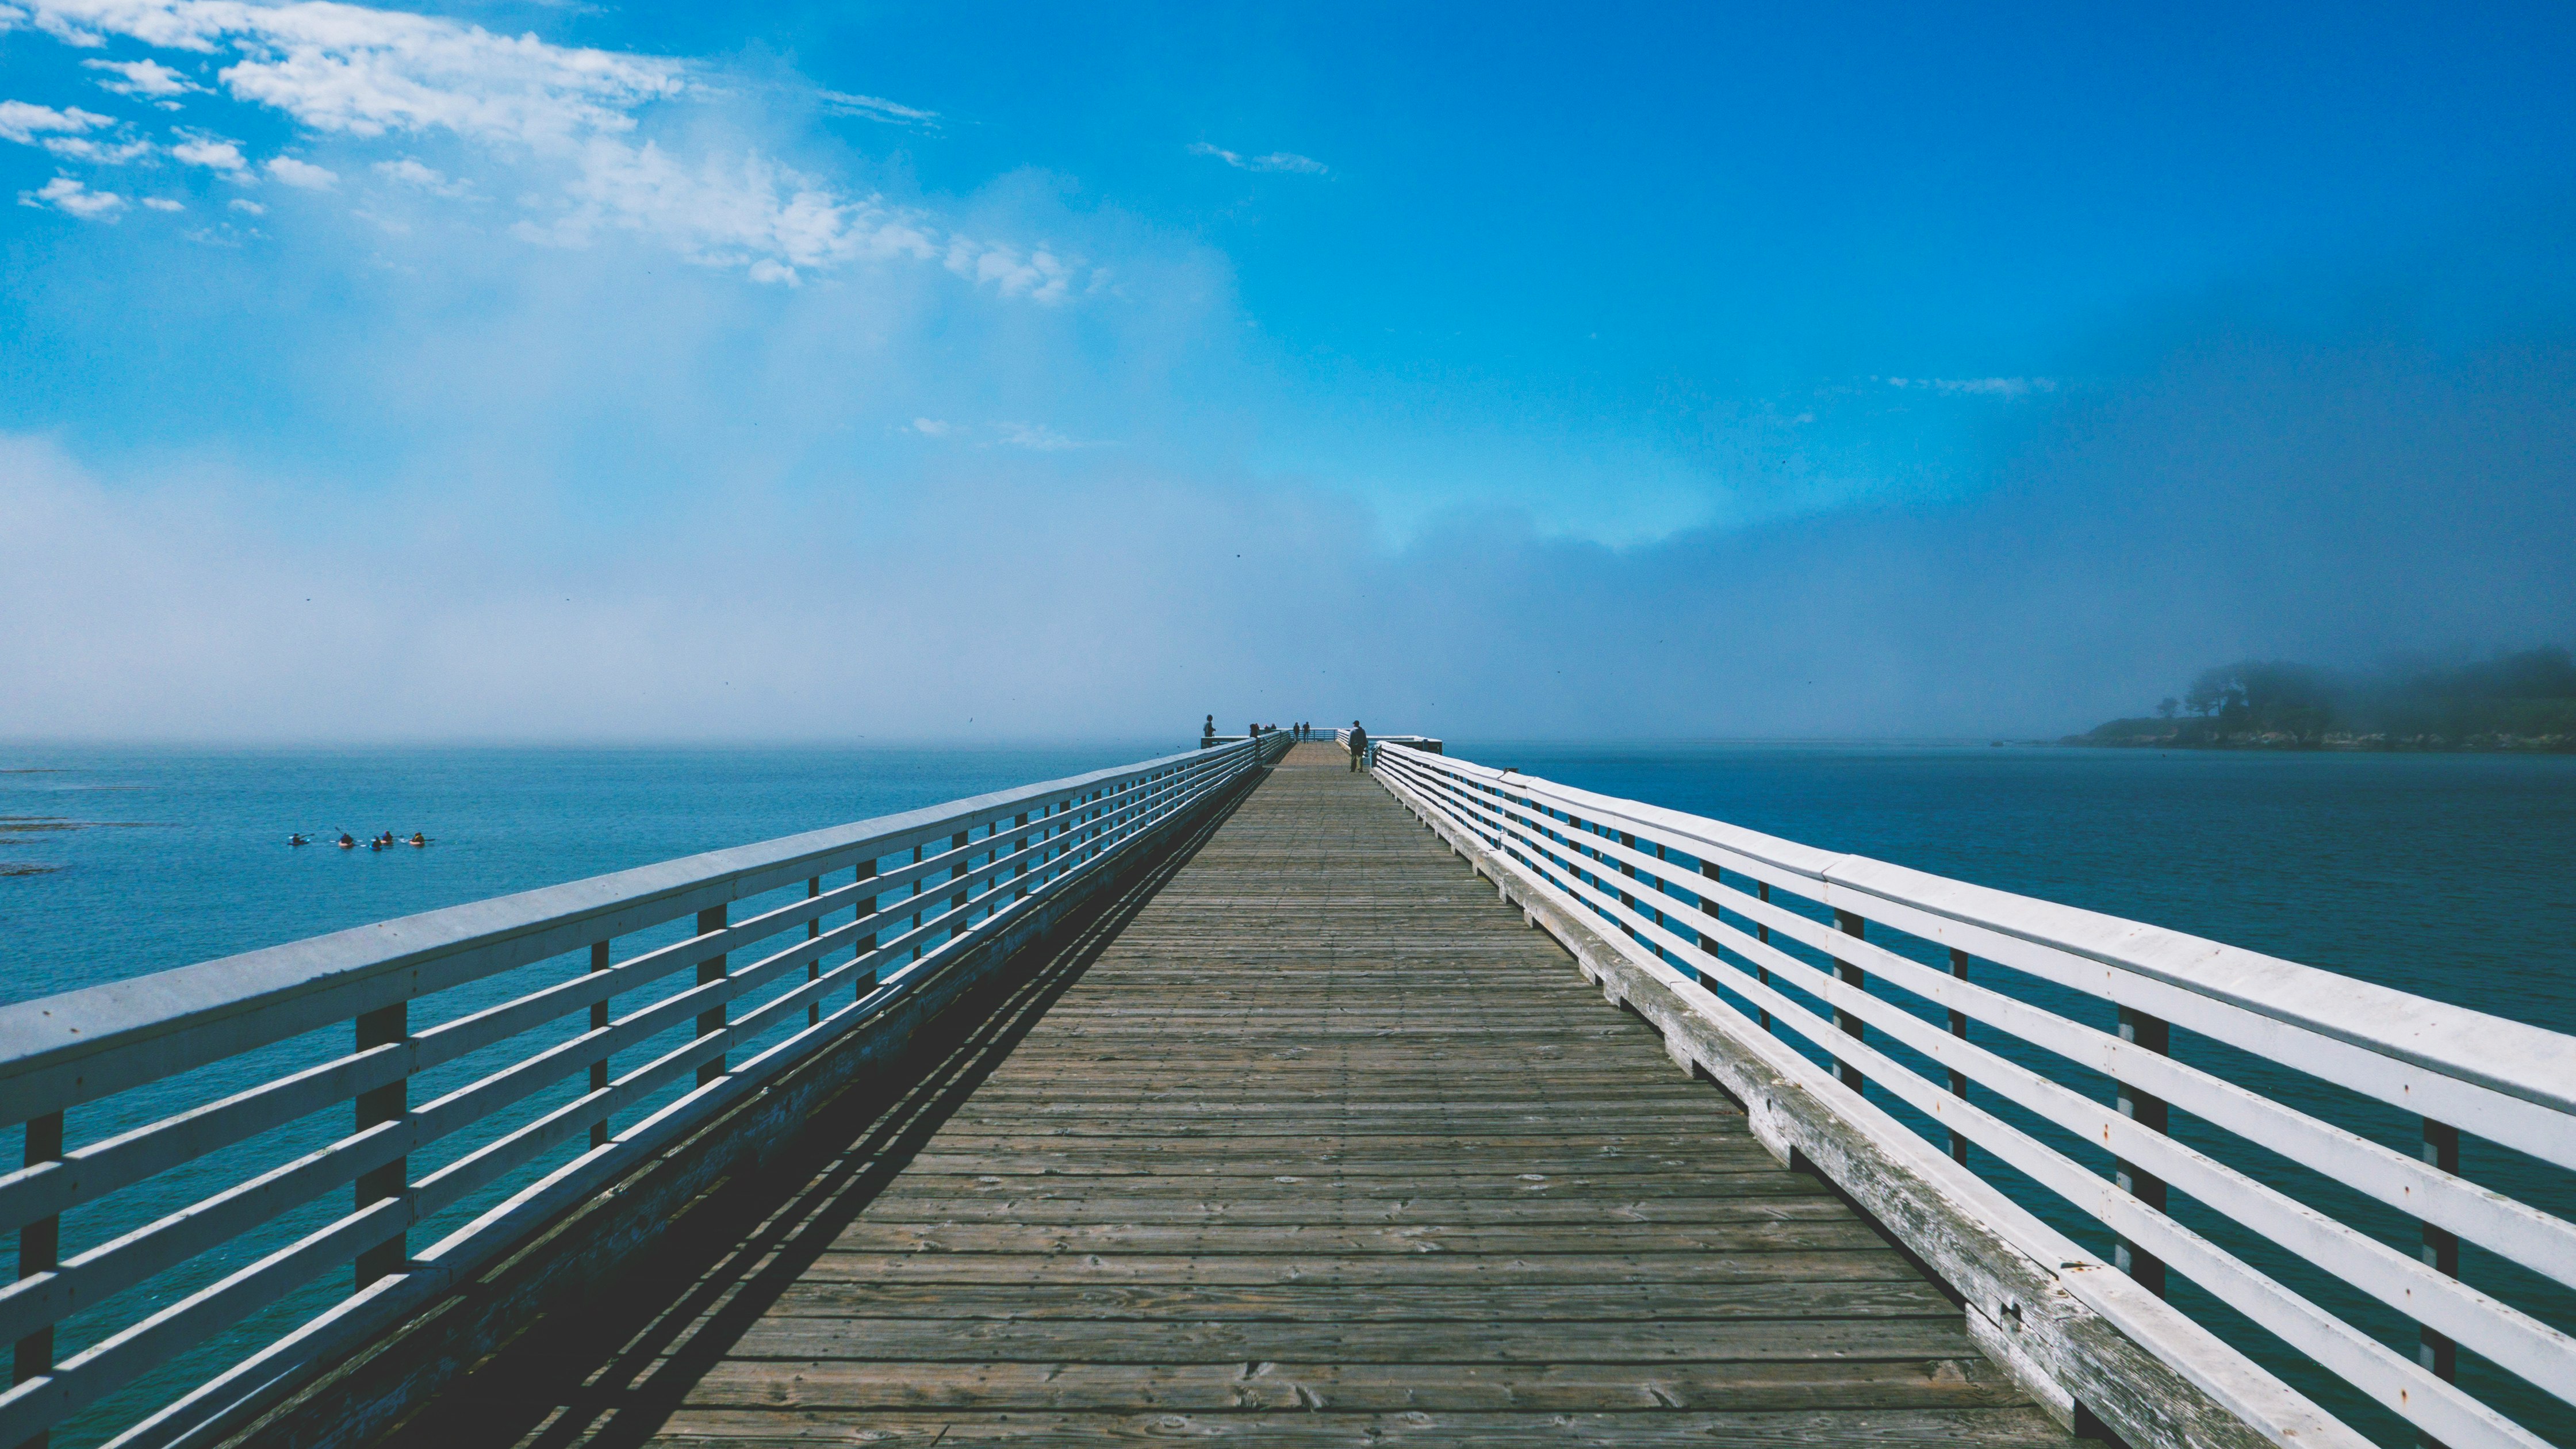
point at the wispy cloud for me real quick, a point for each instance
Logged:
(70, 197)
(1028, 437)
(99, 152)
(144, 80)
(561, 120)
(2004, 387)
(302, 175)
(411, 172)
(878, 108)
(28, 124)
(1288, 161)
(199, 148)
(163, 203)
(1038, 438)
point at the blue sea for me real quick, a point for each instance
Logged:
(2453, 876)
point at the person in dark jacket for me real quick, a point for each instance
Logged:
(1359, 744)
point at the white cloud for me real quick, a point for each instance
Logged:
(1038, 438)
(70, 197)
(163, 203)
(246, 206)
(427, 178)
(143, 79)
(877, 108)
(23, 123)
(198, 148)
(103, 153)
(932, 427)
(1040, 274)
(2003, 387)
(303, 175)
(365, 71)
(1288, 161)
(369, 73)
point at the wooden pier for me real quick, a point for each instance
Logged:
(1307, 1140)
(1237, 1094)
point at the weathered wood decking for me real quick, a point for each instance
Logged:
(1314, 1143)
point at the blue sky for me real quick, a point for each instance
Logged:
(508, 370)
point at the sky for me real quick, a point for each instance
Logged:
(622, 372)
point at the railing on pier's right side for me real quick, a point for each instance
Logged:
(1874, 973)
(580, 1030)
(1425, 743)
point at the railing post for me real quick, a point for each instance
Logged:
(712, 969)
(1858, 980)
(957, 899)
(599, 1022)
(40, 1247)
(384, 1026)
(1625, 899)
(1708, 907)
(2441, 1253)
(867, 906)
(1762, 933)
(814, 968)
(1958, 1078)
(2148, 1033)
(916, 891)
(1019, 847)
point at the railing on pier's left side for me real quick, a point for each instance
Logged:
(579, 1030)
(1818, 985)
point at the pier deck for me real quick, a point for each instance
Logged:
(1310, 1140)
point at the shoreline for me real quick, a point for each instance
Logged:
(2482, 744)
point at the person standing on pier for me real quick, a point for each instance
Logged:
(1359, 745)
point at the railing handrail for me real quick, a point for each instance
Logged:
(45, 1041)
(1658, 881)
(2504, 1055)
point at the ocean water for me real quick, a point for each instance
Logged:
(2453, 876)
(183, 856)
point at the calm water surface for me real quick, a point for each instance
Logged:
(188, 861)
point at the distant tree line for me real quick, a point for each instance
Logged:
(2512, 701)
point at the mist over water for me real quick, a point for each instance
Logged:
(2331, 465)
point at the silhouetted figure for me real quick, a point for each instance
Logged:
(419, 839)
(299, 839)
(1359, 745)
(347, 842)
(1207, 732)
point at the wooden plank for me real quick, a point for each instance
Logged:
(819, 1297)
(1391, 1269)
(1296, 1212)
(762, 1428)
(868, 1236)
(1484, 1340)
(850, 1386)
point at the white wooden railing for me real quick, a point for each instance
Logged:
(580, 1029)
(1875, 974)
